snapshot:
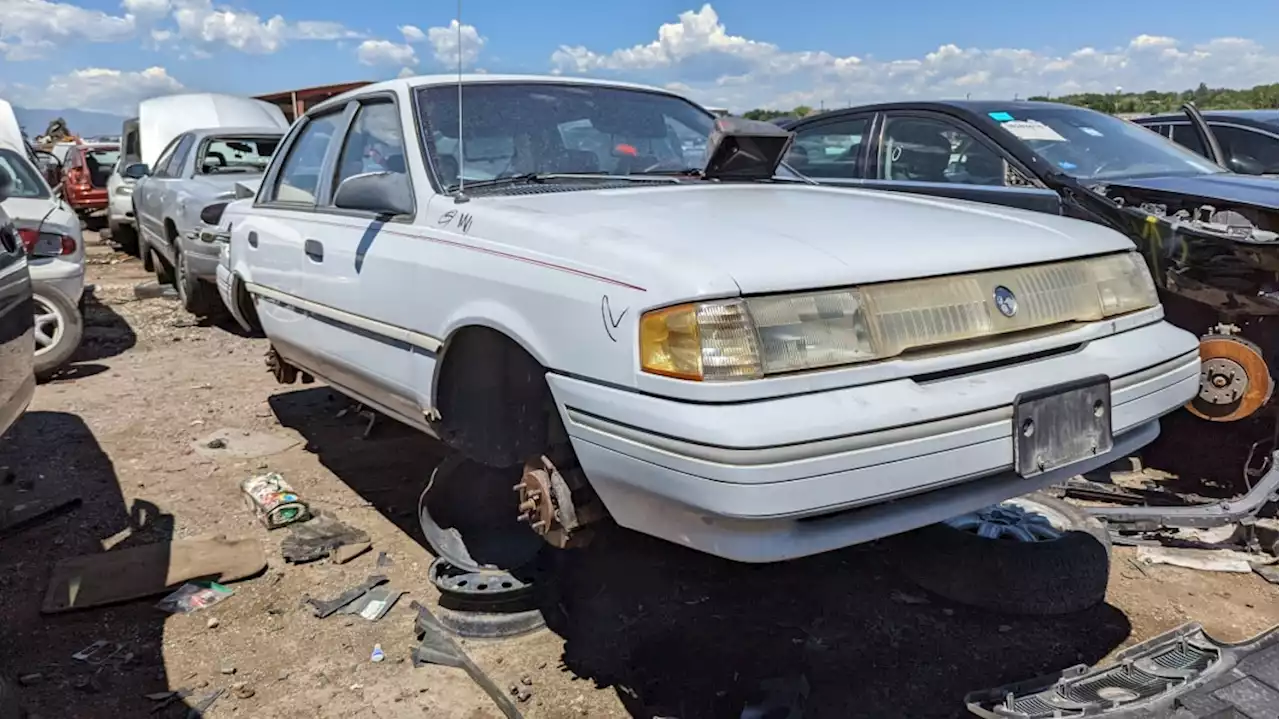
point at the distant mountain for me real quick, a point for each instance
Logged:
(80, 122)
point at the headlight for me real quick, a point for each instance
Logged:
(758, 336)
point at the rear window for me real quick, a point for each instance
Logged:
(26, 182)
(104, 156)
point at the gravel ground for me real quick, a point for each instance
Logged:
(642, 628)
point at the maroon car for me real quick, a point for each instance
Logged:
(84, 176)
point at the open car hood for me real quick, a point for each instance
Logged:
(163, 118)
(10, 131)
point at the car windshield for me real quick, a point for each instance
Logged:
(25, 181)
(237, 154)
(104, 156)
(1090, 145)
(517, 129)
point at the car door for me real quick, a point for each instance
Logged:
(357, 268)
(149, 222)
(832, 150)
(930, 153)
(162, 193)
(1247, 150)
(268, 241)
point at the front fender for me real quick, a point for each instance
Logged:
(495, 316)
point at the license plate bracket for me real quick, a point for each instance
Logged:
(1060, 425)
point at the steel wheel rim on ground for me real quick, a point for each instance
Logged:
(45, 315)
(1015, 519)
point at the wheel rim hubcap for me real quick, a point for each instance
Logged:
(1015, 520)
(48, 325)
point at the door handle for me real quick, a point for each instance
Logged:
(253, 239)
(314, 250)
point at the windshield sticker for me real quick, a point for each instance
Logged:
(1090, 131)
(1032, 130)
(1000, 116)
(1067, 165)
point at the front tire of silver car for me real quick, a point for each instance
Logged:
(58, 330)
(198, 298)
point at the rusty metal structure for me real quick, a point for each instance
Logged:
(296, 102)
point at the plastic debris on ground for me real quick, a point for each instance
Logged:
(378, 655)
(193, 596)
(273, 501)
(318, 537)
(1208, 560)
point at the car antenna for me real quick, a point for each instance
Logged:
(459, 197)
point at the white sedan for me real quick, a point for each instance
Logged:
(754, 368)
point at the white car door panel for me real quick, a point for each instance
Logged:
(356, 268)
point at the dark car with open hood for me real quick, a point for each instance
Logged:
(17, 326)
(1208, 234)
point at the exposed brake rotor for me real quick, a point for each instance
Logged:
(1234, 379)
(557, 507)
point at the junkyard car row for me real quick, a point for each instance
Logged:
(927, 309)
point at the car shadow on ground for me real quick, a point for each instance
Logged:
(51, 456)
(106, 334)
(676, 633)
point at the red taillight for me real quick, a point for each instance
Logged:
(78, 177)
(41, 244)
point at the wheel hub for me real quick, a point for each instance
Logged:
(548, 505)
(1008, 521)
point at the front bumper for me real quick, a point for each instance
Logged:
(788, 477)
(202, 256)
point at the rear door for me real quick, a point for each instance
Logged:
(17, 381)
(272, 236)
(359, 270)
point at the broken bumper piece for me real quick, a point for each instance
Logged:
(1181, 674)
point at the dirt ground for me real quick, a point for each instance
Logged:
(643, 629)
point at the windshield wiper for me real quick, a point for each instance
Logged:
(541, 177)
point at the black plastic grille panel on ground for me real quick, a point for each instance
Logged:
(1182, 674)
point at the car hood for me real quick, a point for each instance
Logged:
(775, 237)
(10, 131)
(1257, 190)
(161, 119)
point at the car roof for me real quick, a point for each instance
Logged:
(203, 132)
(976, 107)
(407, 84)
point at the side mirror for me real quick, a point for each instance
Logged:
(136, 171)
(6, 183)
(383, 193)
(212, 214)
(1245, 165)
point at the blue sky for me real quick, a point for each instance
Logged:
(108, 54)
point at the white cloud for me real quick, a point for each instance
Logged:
(385, 52)
(32, 28)
(412, 33)
(95, 88)
(444, 43)
(716, 67)
(243, 30)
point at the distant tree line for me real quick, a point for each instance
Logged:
(1259, 97)
(1151, 101)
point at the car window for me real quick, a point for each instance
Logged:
(223, 155)
(1185, 134)
(299, 176)
(27, 183)
(104, 156)
(922, 149)
(1091, 145)
(375, 143)
(829, 150)
(517, 128)
(173, 168)
(166, 155)
(1251, 151)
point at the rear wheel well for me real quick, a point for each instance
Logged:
(492, 397)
